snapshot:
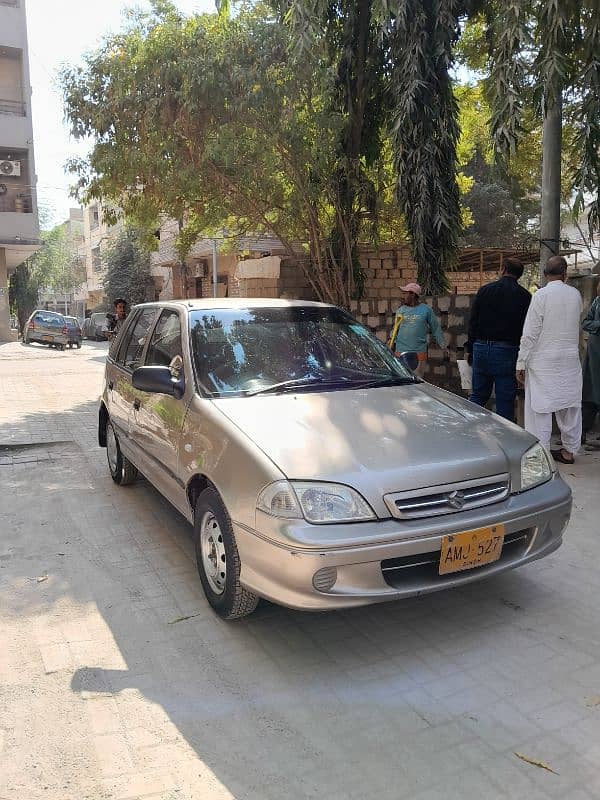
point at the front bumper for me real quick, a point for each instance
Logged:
(534, 525)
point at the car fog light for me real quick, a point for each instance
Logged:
(324, 578)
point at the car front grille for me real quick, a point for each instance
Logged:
(449, 499)
(423, 568)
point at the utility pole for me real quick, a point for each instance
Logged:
(183, 266)
(551, 163)
(214, 266)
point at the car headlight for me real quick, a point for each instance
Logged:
(316, 502)
(536, 467)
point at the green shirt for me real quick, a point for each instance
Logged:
(417, 323)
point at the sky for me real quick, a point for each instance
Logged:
(61, 31)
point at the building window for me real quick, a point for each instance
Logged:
(96, 260)
(94, 217)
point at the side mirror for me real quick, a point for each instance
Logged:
(159, 380)
(410, 360)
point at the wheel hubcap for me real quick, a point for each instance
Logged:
(111, 449)
(212, 551)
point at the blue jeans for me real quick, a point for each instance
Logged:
(495, 363)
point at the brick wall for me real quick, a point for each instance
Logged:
(392, 266)
(453, 312)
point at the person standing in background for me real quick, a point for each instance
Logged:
(413, 324)
(495, 329)
(591, 367)
(548, 363)
(116, 320)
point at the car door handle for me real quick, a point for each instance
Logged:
(136, 404)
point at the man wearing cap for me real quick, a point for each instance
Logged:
(414, 322)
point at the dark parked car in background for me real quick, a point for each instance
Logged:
(46, 327)
(94, 327)
(73, 332)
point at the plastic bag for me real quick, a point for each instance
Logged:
(466, 374)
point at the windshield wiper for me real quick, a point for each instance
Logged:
(293, 383)
(388, 380)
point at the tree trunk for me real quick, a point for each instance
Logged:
(551, 163)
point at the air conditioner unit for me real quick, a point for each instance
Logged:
(10, 168)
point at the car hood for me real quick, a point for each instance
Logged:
(380, 440)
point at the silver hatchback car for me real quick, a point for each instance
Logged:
(316, 470)
(46, 327)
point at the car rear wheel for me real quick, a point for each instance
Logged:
(218, 560)
(122, 471)
(78, 345)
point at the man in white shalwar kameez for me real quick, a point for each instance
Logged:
(548, 362)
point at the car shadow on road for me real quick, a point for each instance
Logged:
(282, 703)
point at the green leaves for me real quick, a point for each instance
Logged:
(128, 269)
(425, 134)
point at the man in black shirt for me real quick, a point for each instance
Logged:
(495, 329)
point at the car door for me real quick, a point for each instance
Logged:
(157, 419)
(120, 365)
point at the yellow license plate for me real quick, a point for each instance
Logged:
(47, 338)
(471, 549)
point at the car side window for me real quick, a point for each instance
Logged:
(130, 356)
(117, 341)
(165, 344)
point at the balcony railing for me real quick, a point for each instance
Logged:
(14, 107)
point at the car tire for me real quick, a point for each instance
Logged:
(61, 347)
(218, 560)
(122, 471)
(78, 345)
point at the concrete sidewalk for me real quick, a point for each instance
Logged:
(117, 681)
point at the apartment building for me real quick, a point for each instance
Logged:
(97, 237)
(19, 228)
(194, 278)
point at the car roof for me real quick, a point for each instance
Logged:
(208, 303)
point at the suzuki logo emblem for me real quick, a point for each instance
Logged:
(456, 499)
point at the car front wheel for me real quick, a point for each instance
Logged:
(218, 559)
(122, 471)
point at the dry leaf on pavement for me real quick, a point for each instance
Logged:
(593, 701)
(540, 764)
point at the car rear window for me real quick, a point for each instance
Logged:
(49, 318)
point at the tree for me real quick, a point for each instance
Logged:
(541, 55)
(407, 49)
(54, 267)
(536, 52)
(128, 269)
(207, 120)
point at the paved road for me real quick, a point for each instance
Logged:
(106, 692)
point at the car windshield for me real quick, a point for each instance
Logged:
(98, 318)
(298, 348)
